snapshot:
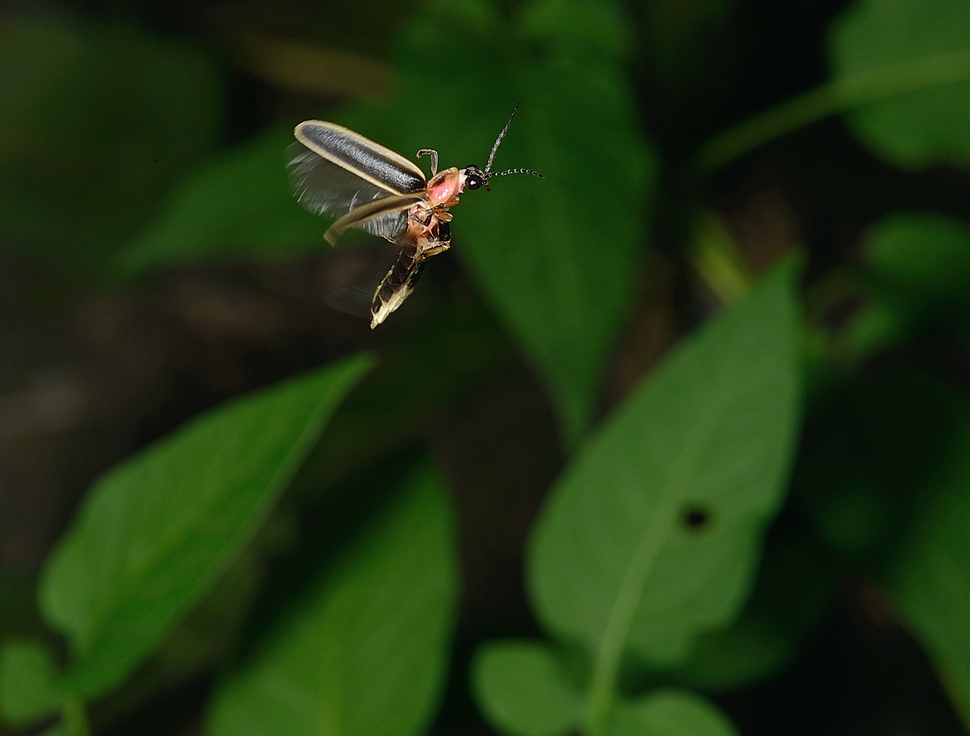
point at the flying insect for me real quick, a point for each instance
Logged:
(335, 171)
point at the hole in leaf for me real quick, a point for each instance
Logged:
(696, 518)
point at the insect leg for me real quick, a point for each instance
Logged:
(434, 158)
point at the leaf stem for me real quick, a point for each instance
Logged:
(829, 99)
(607, 666)
(75, 717)
(717, 259)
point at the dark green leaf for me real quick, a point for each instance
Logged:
(677, 34)
(922, 252)
(574, 26)
(366, 652)
(239, 204)
(521, 689)
(932, 581)
(97, 120)
(29, 683)
(556, 256)
(870, 447)
(653, 534)
(899, 51)
(670, 713)
(156, 533)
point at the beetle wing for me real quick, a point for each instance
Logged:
(386, 217)
(361, 156)
(335, 171)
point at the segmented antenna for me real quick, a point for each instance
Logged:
(515, 171)
(485, 174)
(498, 140)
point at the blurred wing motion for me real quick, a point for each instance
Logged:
(337, 172)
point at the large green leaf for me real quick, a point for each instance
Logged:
(932, 581)
(238, 204)
(521, 689)
(557, 256)
(670, 713)
(97, 120)
(653, 533)
(366, 652)
(156, 532)
(29, 687)
(900, 51)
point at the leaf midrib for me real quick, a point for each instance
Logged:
(638, 572)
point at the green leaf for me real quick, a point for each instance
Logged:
(925, 253)
(521, 689)
(572, 26)
(556, 257)
(239, 204)
(670, 713)
(29, 683)
(653, 533)
(156, 533)
(932, 581)
(367, 651)
(97, 120)
(908, 47)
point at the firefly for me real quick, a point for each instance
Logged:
(335, 171)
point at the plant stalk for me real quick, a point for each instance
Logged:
(829, 99)
(75, 718)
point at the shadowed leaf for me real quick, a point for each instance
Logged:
(366, 652)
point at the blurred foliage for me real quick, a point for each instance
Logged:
(97, 121)
(931, 582)
(366, 652)
(237, 204)
(28, 683)
(675, 431)
(670, 712)
(899, 44)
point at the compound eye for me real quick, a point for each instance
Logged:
(473, 182)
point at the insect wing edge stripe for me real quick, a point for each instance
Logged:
(408, 168)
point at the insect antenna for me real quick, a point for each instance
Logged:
(515, 171)
(491, 157)
(498, 140)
